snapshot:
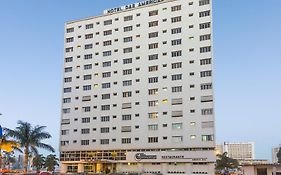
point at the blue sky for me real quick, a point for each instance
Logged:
(247, 67)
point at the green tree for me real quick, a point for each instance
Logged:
(279, 155)
(38, 162)
(51, 162)
(225, 163)
(30, 139)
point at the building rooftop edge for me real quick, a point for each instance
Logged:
(109, 14)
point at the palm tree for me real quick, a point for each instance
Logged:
(225, 163)
(51, 162)
(38, 162)
(30, 139)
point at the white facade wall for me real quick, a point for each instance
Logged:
(240, 150)
(190, 134)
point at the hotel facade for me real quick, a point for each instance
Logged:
(138, 90)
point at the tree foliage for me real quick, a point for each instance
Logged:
(38, 162)
(51, 162)
(30, 139)
(225, 163)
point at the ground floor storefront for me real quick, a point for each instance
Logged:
(189, 162)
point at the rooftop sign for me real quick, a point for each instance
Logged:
(131, 6)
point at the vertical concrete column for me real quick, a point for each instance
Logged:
(140, 167)
(164, 168)
(80, 168)
(63, 168)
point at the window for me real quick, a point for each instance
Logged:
(86, 109)
(126, 129)
(128, 39)
(176, 65)
(206, 138)
(68, 59)
(69, 40)
(176, 30)
(85, 142)
(85, 131)
(208, 98)
(86, 120)
(153, 80)
(206, 86)
(205, 61)
(153, 57)
(153, 35)
(176, 77)
(152, 139)
(204, 13)
(107, 32)
(105, 118)
(177, 89)
(67, 90)
(176, 19)
(126, 105)
(176, 42)
(68, 69)
(127, 117)
(153, 46)
(127, 94)
(128, 28)
(177, 126)
(106, 53)
(205, 25)
(208, 124)
(176, 8)
(128, 18)
(152, 91)
(153, 115)
(128, 50)
(105, 96)
(89, 26)
(67, 100)
(205, 49)
(176, 53)
(205, 37)
(104, 141)
(177, 114)
(127, 61)
(107, 22)
(176, 101)
(87, 87)
(206, 73)
(204, 2)
(126, 140)
(87, 66)
(106, 64)
(106, 74)
(208, 111)
(127, 83)
(105, 107)
(104, 130)
(153, 13)
(153, 103)
(153, 24)
(177, 139)
(89, 36)
(69, 49)
(88, 56)
(152, 68)
(153, 127)
(86, 98)
(65, 121)
(127, 72)
(68, 79)
(105, 85)
(70, 30)
(107, 43)
(65, 132)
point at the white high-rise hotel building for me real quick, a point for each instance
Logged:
(137, 92)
